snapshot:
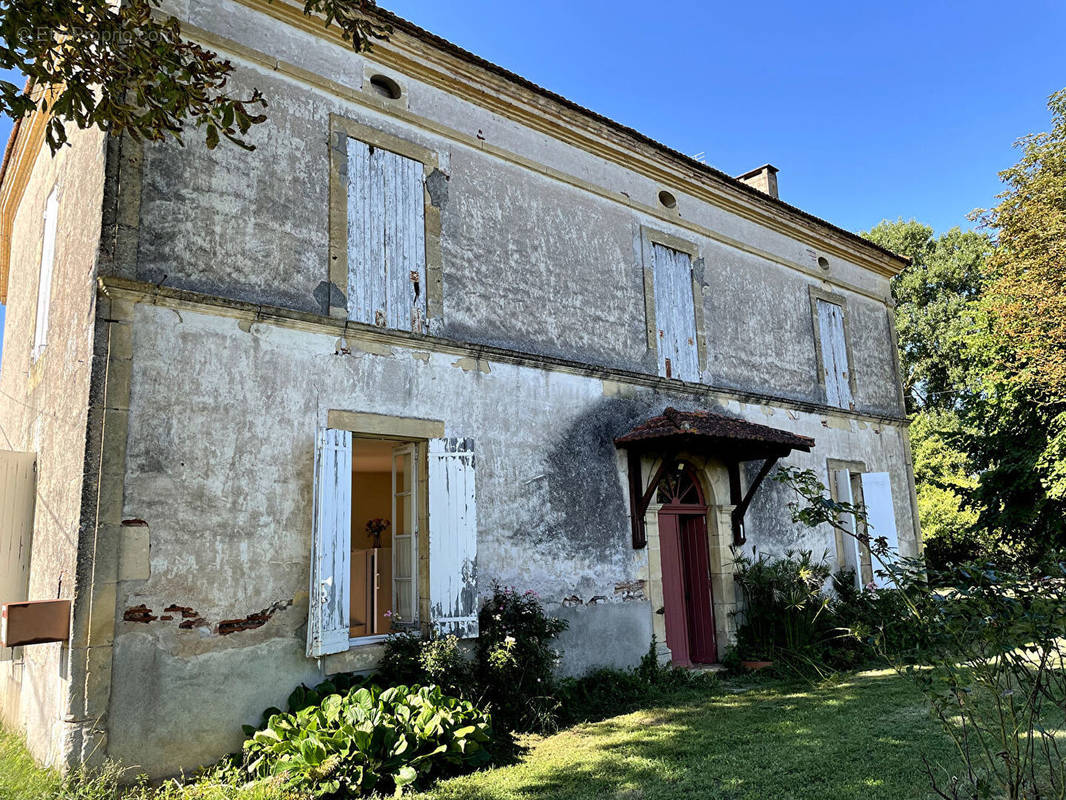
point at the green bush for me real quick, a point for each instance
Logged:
(370, 740)
(785, 615)
(878, 620)
(438, 660)
(515, 660)
(512, 669)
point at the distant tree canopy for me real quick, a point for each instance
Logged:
(982, 337)
(1017, 421)
(935, 314)
(1026, 299)
(936, 318)
(124, 67)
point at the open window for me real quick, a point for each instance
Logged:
(871, 491)
(384, 548)
(395, 539)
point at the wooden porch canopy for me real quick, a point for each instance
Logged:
(702, 432)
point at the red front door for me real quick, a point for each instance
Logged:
(687, 598)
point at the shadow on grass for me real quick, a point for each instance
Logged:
(863, 738)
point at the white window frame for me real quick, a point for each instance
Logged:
(851, 482)
(45, 274)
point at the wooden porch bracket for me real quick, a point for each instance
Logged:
(741, 507)
(640, 498)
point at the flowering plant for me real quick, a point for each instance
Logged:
(376, 527)
(515, 658)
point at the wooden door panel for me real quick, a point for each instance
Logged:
(695, 561)
(673, 588)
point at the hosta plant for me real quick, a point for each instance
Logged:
(370, 741)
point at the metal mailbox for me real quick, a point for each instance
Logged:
(34, 622)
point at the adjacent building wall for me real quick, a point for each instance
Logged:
(44, 410)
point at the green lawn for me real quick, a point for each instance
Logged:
(862, 738)
(20, 778)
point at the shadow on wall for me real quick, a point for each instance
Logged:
(586, 510)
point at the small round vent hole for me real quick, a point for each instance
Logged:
(823, 262)
(667, 199)
(386, 87)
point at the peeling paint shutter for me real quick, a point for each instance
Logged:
(675, 314)
(18, 480)
(453, 603)
(880, 515)
(834, 354)
(44, 284)
(386, 239)
(850, 558)
(327, 627)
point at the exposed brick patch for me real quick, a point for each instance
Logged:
(571, 601)
(141, 613)
(252, 621)
(191, 620)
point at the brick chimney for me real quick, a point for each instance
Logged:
(763, 178)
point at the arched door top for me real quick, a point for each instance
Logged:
(680, 487)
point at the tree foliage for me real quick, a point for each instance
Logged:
(125, 67)
(937, 318)
(935, 313)
(1016, 421)
(1026, 299)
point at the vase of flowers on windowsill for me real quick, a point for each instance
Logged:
(374, 529)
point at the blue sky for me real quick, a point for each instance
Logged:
(870, 110)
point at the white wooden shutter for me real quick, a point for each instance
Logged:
(880, 516)
(44, 283)
(18, 483)
(452, 538)
(835, 367)
(386, 239)
(675, 315)
(331, 545)
(850, 558)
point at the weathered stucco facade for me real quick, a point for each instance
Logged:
(201, 338)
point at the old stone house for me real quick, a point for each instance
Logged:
(441, 329)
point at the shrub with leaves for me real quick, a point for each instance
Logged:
(515, 667)
(786, 617)
(437, 660)
(370, 741)
(606, 692)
